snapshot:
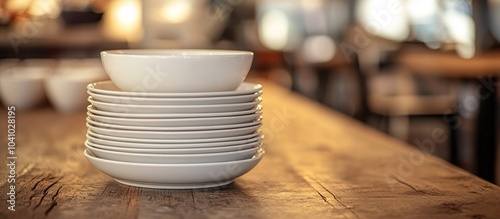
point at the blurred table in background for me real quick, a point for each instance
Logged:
(482, 70)
(319, 164)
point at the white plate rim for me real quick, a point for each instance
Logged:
(255, 88)
(136, 107)
(191, 156)
(174, 132)
(258, 143)
(259, 155)
(256, 116)
(125, 144)
(91, 108)
(176, 128)
(123, 99)
(178, 141)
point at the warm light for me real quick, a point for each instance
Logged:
(176, 12)
(126, 13)
(384, 18)
(17, 5)
(45, 7)
(122, 21)
(319, 48)
(274, 29)
(311, 5)
(421, 10)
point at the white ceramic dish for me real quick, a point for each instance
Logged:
(177, 150)
(181, 128)
(67, 90)
(130, 108)
(177, 70)
(175, 176)
(109, 88)
(174, 134)
(174, 101)
(23, 87)
(97, 139)
(174, 141)
(93, 110)
(177, 122)
(173, 158)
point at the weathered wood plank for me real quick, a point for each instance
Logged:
(318, 164)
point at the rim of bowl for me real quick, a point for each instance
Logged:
(175, 52)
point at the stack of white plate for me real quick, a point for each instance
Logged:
(174, 140)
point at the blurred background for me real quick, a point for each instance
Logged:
(423, 71)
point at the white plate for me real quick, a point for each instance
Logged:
(196, 150)
(173, 158)
(177, 122)
(107, 87)
(93, 110)
(138, 145)
(176, 141)
(174, 101)
(217, 108)
(181, 128)
(175, 176)
(175, 134)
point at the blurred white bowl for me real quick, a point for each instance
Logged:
(22, 87)
(67, 89)
(177, 71)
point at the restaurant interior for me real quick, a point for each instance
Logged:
(408, 68)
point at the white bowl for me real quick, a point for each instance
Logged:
(93, 110)
(177, 150)
(177, 122)
(132, 108)
(23, 87)
(109, 88)
(175, 134)
(174, 101)
(174, 158)
(177, 70)
(174, 176)
(67, 91)
(124, 144)
(169, 128)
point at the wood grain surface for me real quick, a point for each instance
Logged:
(319, 164)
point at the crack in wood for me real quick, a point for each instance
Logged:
(53, 202)
(324, 198)
(105, 189)
(192, 197)
(309, 179)
(129, 199)
(45, 192)
(36, 185)
(408, 185)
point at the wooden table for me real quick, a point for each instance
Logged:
(319, 164)
(483, 71)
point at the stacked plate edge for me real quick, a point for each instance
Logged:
(174, 140)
